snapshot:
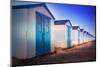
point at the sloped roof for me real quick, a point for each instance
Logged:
(62, 22)
(75, 27)
(32, 6)
(84, 31)
(81, 30)
(90, 34)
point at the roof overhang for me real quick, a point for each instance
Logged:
(62, 22)
(32, 6)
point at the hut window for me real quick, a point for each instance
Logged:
(40, 22)
(46, 24)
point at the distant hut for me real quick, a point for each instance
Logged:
(85, 36)
(62, 34)
(90, 37)
(76, 35)
(81, 36)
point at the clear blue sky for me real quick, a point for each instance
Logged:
(83, 16)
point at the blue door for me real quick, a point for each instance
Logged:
(42, 34)
(69, 37)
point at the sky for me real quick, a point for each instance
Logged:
(83, 16)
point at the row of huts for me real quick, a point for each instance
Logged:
(35, 31)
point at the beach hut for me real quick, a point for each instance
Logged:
(62, 34)
(91, 37)
(88, 37)
(32, 29)
(81, 36)
(85, 36)
(76, 35)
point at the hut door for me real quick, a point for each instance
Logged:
(68, 36)
(42, 34)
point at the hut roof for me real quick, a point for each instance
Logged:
(75, 27)
(84, 31)
(81, 30)
(62, 22)
(32, 5)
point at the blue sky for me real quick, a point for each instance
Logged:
(83, 16)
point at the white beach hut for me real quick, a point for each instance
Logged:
(32, 29)
(63, 34)
(76, 35)
(90, 37)
(81, 36)
(85, 36)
